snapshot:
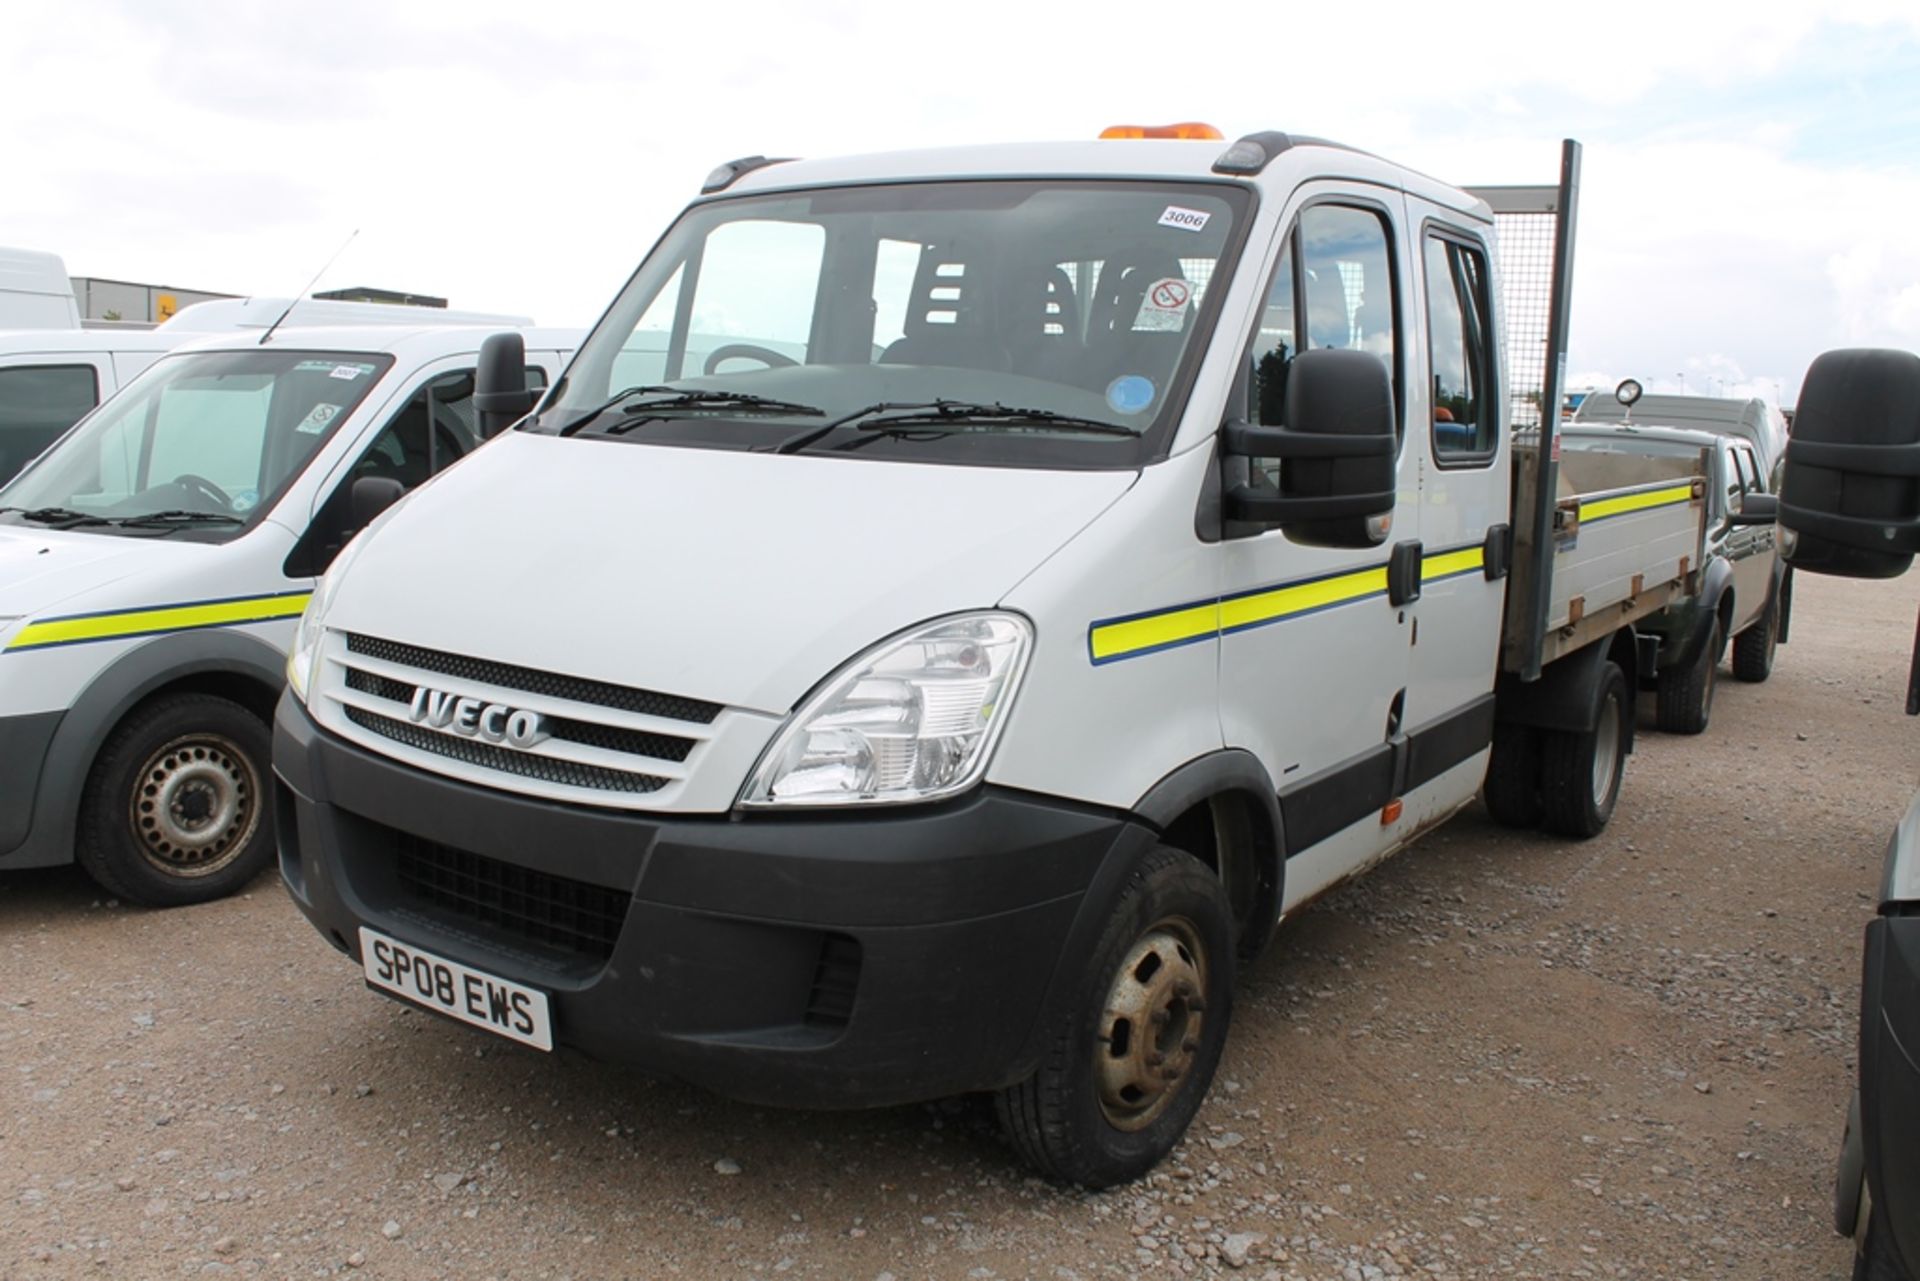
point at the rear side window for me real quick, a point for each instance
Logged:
(1464, 429)
(37, 403)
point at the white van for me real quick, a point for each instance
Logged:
(152, 564)
(1077, 557)
(50, 377)
(35, 291)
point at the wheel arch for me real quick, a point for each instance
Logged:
(232, 664)
(1224, 810)
(1564, 696)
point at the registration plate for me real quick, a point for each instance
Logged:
(499, 1005)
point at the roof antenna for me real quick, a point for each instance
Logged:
(302, 295)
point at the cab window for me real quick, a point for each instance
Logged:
(435, 429)
(37, 403)
(1464, 429)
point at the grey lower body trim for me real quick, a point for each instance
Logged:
(24, 741)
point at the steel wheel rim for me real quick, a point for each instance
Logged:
(1606, 750)
(195, 805)
(1152, 1024)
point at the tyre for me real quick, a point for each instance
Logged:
(1580, 771)
(1683, 699)
(1128, 1058)
(1512, 787)
(1753, 648)
(175, 808)
(1849, 1175)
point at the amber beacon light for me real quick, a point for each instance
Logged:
(1190, 129)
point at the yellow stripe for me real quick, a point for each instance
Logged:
(1113, 639)
(1452, 563)
(163, 618)
(1636, 502)
(1243, 611)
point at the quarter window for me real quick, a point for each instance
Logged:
(1463, 420)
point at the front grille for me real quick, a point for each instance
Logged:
(633, 742)
(553, 911)
(546, 769)
(549, 684)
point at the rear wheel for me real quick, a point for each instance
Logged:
(1753, 648)
(1128, 1063)
(174, 810)
(1512, 787)
(1580, 770)
(1683, 700)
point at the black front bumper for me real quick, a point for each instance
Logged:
(1890, 1080)
(843, 960)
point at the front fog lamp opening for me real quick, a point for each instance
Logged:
(913, 719)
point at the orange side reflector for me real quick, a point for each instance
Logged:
(1391, 814)
(1188, 129)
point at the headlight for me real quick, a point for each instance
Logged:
(306, 637)
(914, 718)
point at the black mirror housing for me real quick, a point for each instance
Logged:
(1756, 509)
(370, 496)
(1340, 447)
(500, 393)
(1852, 487)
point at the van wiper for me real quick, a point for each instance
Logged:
(57, 515)
(175, 519)
(670, 398)
(941, 416)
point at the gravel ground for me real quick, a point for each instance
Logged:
(1497, 1056)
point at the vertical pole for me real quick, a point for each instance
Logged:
(1552, 389)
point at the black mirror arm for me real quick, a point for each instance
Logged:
(1248, 440)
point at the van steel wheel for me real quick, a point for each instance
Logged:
(1132, 1042)
(175, 808)
(1580, 772)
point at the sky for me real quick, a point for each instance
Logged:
(1751, 191)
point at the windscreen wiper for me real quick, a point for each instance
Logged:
(175, 519)
(57, 515)
(941, 416)
(671, 398)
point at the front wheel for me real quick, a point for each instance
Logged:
(1580, 771)
(1683, 701)
(1127, 1063)
(175, 808)
(1753, 648)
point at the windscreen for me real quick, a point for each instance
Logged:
(204, 441)
(1087, 301)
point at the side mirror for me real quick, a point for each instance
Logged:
(1852, 488)
(1339, 446)
(370, 496)
(501, 397)
(1756, 509)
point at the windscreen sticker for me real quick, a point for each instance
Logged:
(1130, 393)
(1163, 308)
(1185, 219)
(350, 371)
(317, 419)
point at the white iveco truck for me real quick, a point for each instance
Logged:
(952, 608)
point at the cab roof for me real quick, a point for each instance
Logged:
(422, 342)
(1163, 159)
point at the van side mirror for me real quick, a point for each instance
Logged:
(1756, 509)
(1852, 489)
(501, 397)
(370, 496)
(1339, 446)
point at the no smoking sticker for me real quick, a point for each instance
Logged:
(1163, 308)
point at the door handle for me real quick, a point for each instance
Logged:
(1403, 573)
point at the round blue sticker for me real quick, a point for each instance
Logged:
(1130, 393)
